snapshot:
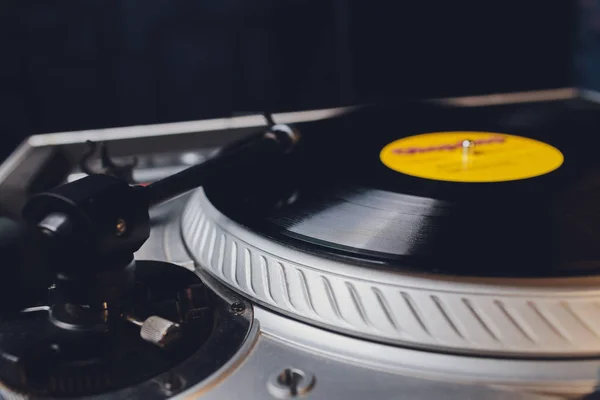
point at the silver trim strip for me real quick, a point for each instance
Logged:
(591, 95)
(508, 98)
(131, 132)
(17, 156)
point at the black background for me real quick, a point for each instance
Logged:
(70, 65)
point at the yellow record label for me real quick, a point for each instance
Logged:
(471, 157)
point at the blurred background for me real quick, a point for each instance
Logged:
(72, 65)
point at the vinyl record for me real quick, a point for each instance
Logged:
(497, 191)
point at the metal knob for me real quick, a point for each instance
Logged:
(55, 224)
(158, 331)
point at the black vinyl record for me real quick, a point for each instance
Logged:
(335, 196)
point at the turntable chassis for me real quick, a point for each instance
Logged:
(339, 363)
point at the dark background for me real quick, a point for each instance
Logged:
(70, 65)
(587, 50)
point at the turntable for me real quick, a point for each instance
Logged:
(429, 250)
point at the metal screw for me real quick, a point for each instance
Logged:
(290, 383)
(121, 226)
(238, 308)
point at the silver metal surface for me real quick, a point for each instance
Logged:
(17, 157)
(337, 379)
(567, 377)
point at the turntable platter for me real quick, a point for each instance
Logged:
(338, 238)
(338, 198)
